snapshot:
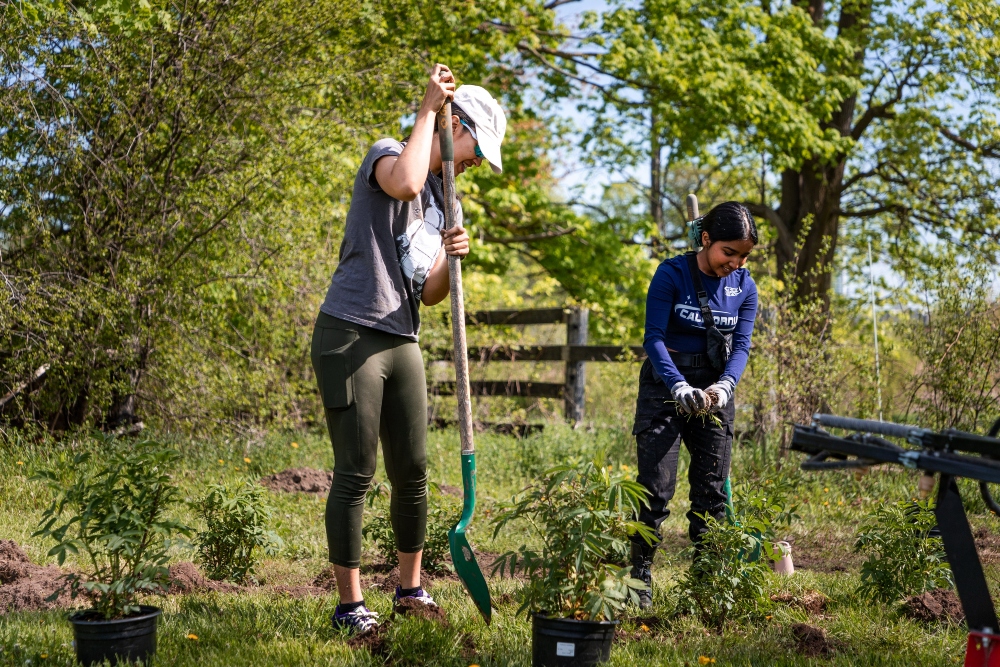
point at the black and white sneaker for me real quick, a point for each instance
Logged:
(420, 596)
(357, 621)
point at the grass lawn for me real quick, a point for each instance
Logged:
(266, 628)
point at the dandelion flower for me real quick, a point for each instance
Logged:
(705, 660)
(43, 656)
(20, 463)
(192, 637)
(644, 627)
(826, 503)
(768, 617)
(295, 445)
(246, 459)
(221, 461)
(826, 489)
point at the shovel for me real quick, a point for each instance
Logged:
(462, 556)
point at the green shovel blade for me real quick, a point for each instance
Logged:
(462, 556)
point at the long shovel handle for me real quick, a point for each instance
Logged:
(460, 356)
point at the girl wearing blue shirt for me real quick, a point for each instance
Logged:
(690, 369)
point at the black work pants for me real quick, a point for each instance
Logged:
(659, 430)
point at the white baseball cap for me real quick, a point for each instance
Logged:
(491, 123)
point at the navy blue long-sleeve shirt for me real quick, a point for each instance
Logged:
(673, 317)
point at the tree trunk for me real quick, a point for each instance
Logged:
(655, 175)
(810, 196)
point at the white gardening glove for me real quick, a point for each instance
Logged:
(689, 399)
(723, 390)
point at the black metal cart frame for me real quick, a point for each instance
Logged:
(947, 454)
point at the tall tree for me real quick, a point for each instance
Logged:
(855, 114)
(173, 179)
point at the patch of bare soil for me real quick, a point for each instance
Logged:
(450, 490)
(469, 648)
(186, 578)
(326, 580)
(937, 605)
(385, 582)
(417, 609)
(812, 641)
(988, 545)
(813, 602)
(825, 552)
(385, 577)
(25, 586)
(375, 640)
(301, 480)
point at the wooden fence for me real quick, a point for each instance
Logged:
(575, 353)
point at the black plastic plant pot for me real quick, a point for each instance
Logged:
(119, 640)
(559, 642)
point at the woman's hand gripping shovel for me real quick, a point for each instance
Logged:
(462, 556)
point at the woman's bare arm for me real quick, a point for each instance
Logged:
(403, 177)
(438, 283)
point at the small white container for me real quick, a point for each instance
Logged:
(784, 565)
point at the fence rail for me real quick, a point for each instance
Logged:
(575, 354)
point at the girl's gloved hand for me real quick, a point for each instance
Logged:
(723, 390)
(689, 399)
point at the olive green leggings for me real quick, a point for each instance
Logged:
(373, 386)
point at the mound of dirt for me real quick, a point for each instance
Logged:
(326, 580)
(937, 605)
(298, 591)
(301, 480)
(812, 641)
(417, 609)
(813, 602)
(387, 582)
(375, 640)
(185, 578)
(25, 586)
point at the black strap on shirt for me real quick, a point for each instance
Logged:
(719, 344)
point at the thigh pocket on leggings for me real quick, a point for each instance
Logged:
(337, 369)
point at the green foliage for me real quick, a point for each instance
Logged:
(730, 569)
(443, 512)
(955, 335)
(902, 557)
(113, 512)
(583, 515)
(236, 530)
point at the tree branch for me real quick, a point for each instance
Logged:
(989, 150)
(785, 237)
(529, 238)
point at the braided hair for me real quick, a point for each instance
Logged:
(730, 221)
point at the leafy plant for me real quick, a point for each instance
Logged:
(903, 559)
(236, 531)
(442, 514)
(583, 515)
(112, 510)
(728, 574)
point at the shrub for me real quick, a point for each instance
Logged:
(112, 511)
(442, 514)
(903, 559)
(236, 530)
(728, 574)
(583, 515)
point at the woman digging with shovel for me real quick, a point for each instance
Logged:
(686, 383)
(364, 347)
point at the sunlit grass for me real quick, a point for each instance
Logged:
(263, 628)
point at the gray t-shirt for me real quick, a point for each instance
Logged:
(388, 249)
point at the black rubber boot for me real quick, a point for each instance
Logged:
(642, 564)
